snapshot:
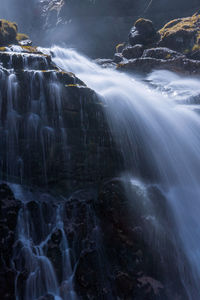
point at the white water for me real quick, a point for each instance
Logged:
(39, 219)
(158, 131)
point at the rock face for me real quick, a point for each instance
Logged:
(112, 244)
(57, 131)
(9, 208)
(93, 241)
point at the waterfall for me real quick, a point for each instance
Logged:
(155, 124)
(41, 247)
(157, 128)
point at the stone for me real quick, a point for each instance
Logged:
(162, 53)
(25, 42)
(133, 52)
(181, 34)
(148, 64)
(143, 32)
(117, 58)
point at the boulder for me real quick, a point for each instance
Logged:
(182, 35)
(133, 52)
(9, 33)
(143, 32)
(117, 58)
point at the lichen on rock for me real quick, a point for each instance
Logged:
(9, 33)
(182, 34)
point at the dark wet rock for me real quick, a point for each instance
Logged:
(195, 55)
(9, 208)
(181, 34)
(68, 164)
(125, 285)
(24, 60)
(118, 58)
(25, 42)
(148, 64)
(112, 255)
(143, 32)
(162, 53)
(133, 52)
(8, 32)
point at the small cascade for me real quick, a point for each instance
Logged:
(30, 115)
(41, 254)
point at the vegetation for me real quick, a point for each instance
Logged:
(9, 33)
(182, 34)
(22, 37)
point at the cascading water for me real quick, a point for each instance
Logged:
(157, 131)
(31, 118)
(40, 225)
(158, 134)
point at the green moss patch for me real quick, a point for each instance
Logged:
(22, 37)
(182, 34)
(9, 33)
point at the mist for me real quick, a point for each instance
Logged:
(93, 27)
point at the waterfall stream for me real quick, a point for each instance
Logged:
(157, 128)
(40, 225)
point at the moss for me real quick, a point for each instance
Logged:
(188, 24)
(30, 49)
(2, 49)
(8, 32)
(184, 28)
(196, 48)
(168, 56)
(71, 85)
(22, 37)
(118, 47)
